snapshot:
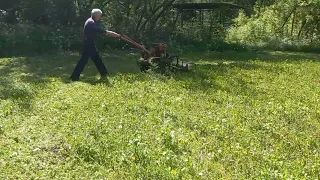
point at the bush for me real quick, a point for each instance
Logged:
(27, 39)
(265, 32)
(24, 39)
(204, 39)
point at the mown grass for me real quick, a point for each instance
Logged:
(237, 116)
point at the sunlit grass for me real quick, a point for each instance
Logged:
(237, 116)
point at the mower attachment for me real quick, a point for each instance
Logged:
(156, 58)
(159, 60)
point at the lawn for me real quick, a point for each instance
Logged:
(237, 116)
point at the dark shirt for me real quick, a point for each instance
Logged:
(91, 29)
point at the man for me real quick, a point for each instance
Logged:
(91, 29)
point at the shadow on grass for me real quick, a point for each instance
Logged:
(11, 88)
(250, 56)
(41, 69)
(18, 75)
(212, 65)
(205, 78)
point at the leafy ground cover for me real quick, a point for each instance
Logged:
(237, 116)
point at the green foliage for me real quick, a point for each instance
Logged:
(285, 25)
(26, 39)
(21, 39)
(277, 25)
(237, 116)
(201, 38)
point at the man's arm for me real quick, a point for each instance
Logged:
(94, 27)
(98, 29)
(113, 34)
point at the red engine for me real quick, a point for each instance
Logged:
(162, 47)
(157, 58)
(158, 50)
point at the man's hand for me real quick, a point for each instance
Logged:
(113, 34)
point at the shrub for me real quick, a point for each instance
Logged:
(203, 38)
(27, 39)
(269, 31)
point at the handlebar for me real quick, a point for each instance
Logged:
(126, 38)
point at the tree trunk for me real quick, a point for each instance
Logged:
(302, 26)
(293, 21)
(164, 9)
(154, 12)
(288, 17)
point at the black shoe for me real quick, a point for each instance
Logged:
(105, 80)
(104, 76)
(74, 79)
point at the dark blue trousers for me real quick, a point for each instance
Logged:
(89, 50)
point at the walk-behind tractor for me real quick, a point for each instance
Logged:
(157, 58)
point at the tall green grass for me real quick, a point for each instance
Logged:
(237, 116)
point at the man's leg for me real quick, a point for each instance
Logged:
(81, 64)
(99, 64)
